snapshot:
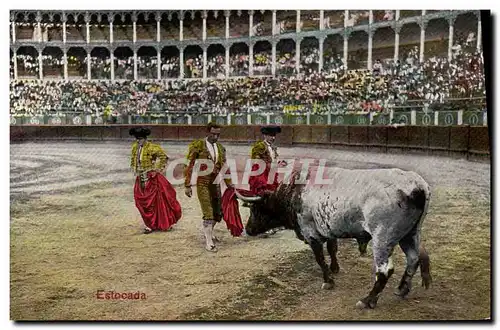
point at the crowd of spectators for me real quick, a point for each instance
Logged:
(385, 86)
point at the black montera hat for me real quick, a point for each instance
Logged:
(139, 132)
(270, 130)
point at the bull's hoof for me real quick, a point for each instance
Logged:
(335, 268)
(368, 302)
(426, 280)
(402, 292)
(327, 286)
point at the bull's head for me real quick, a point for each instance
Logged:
(264, 214)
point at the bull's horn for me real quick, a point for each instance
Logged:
(247, 199)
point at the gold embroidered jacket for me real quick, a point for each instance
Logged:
(261, 151)
(198, 150)
(153, 157)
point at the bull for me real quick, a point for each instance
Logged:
(384, 206)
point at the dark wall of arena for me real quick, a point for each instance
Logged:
(471, 142)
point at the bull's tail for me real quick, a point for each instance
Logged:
(418, 201)
(425, 267)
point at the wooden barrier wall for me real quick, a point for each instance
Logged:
(469, 141)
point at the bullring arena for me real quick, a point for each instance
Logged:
(360, 89)
(75, 230)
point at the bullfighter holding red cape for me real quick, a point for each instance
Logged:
(155, 198)
(266, 151)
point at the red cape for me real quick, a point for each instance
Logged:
(157, 203)
(231, 210)
(258, 183)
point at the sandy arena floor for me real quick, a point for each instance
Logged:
(75, 230)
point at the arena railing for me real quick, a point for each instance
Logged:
(263, 117)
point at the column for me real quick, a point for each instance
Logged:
(250, 23)
(320, 64)
(64, 31)
(422, 41)
(39, 28)
(273, 58)
(112, 58)
(227, 13)
(110, 32)
(14, 31)
(134, 31)
(135, 64)
(181, 25)
(204, 25)
(250, 60)
(227, 61)
(65, 60)
(158, 27)
(370, 48)
(346, 44)
(181, 60)
(40, 64)
(297, 25)
(450, 41)
(321, 19)
(346, 17)
(158, 59)
(88, 31)
(204, 62)
(397, 29)
(479, 34)
(398, 14)
(274, 22)
(297, 55)
(89, 72)
(15, 64)
(370, 17)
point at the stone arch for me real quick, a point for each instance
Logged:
(286, 21)
(170, 26)
(146, 26)
(216, 24)
(216, 61)
(27, 62)
(262, 23)
(77, 63)
(238, 60)
(170, 62)
(285, 57)
(309, 20)
(333, 19)
(465, 31)
(147, 63)
(25, 26)
(53, 65)
(309, 55)
(76, 29)
(100, 65)
(409, 13)
(383, 44)
(193, 62)
(123, 29)
(193, 25)
(409, 40)
(262, 58)
(99, 28)
(333, 52)
(124, 63)
(239, 24)
(357, 50)
(437, 35)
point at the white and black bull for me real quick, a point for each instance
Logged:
(386, 206)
